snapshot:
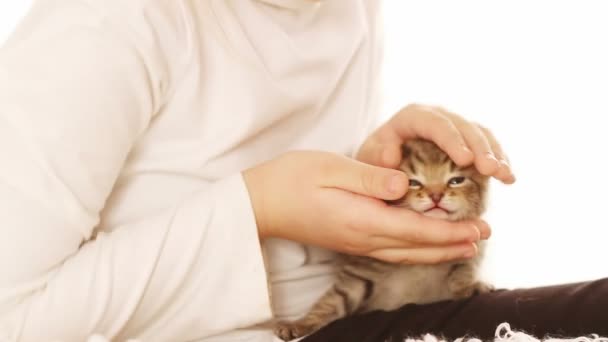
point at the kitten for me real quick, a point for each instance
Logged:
(438, 188)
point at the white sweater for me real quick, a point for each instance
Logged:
(124, 126)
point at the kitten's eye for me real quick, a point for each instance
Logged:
(415, 184)
(456, 180)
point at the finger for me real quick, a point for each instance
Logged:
(427, 255)
(412, 227)
(380, 154)
(429, 124)
(378, 242)
(485, 161)
(364, 179)
(505, 174)
(484, 229)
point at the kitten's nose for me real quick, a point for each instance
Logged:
(436, 196)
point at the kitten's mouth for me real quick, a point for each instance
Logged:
(437, 208)
(437, 212)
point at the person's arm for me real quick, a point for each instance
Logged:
(75, 95)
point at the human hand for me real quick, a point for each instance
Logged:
(335, 202)
(464, 141)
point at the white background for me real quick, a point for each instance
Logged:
(536, 73)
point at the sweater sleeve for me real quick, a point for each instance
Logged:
(75, 95)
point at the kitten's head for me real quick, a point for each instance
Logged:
(438, 187)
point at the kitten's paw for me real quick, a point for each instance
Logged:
(467, 291)
(288, 331)
(482, 287)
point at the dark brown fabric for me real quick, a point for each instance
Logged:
(569, 310)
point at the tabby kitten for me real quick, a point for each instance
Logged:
(438, 188)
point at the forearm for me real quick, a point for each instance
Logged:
(164, 271)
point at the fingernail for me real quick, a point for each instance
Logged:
(484, 230)
(471, 252)
(511, 177)
(490, 155)
(485, 234)
(475, 235)
(397, 184)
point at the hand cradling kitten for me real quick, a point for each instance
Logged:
(438, 188)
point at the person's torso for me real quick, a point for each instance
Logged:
(255, 80)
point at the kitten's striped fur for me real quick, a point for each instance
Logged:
(365, 284)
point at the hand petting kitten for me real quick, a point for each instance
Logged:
(464, 141)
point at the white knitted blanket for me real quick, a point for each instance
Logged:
(505, 334)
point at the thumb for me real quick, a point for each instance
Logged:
(364, 179)
(380, 154)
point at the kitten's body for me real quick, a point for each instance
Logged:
(396, 285)
(365, 284)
